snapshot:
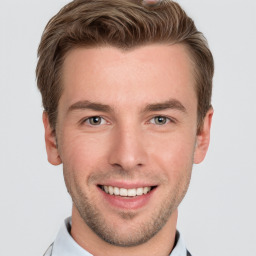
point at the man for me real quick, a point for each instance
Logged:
(126, 87)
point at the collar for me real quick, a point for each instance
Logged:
(65, 245)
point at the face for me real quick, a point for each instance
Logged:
(127, 137)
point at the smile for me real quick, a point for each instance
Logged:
(123, 192)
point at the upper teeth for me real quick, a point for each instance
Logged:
(126, 192)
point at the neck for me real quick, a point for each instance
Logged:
(161, 244)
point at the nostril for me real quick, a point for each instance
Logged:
(127, 151)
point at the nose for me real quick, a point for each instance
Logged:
(128, 149)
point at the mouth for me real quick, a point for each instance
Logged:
(123, 192)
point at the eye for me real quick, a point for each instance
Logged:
(95, 120)
(160, 120)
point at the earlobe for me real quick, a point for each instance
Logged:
(203, 138)
(50, 142)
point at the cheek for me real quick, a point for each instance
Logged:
(174, 155)
(81, 152)
(80, 159)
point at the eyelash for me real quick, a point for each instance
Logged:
(166, 120)
(87, 120)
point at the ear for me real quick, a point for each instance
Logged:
(203, 138)
(50, 142)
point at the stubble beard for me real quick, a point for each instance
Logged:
(137, 234)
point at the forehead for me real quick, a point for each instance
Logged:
(141, 74)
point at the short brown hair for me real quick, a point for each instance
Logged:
(124, 24)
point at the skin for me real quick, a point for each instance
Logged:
(129, 146)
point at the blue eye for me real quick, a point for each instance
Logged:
(95, 120)
(160, 120)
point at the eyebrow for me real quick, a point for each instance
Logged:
(80, 105)
(170, 104)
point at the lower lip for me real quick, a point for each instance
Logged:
(127, 203)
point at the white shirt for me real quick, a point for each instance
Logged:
(65, 245)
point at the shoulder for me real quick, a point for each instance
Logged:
(188, 253)
(49, 251)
